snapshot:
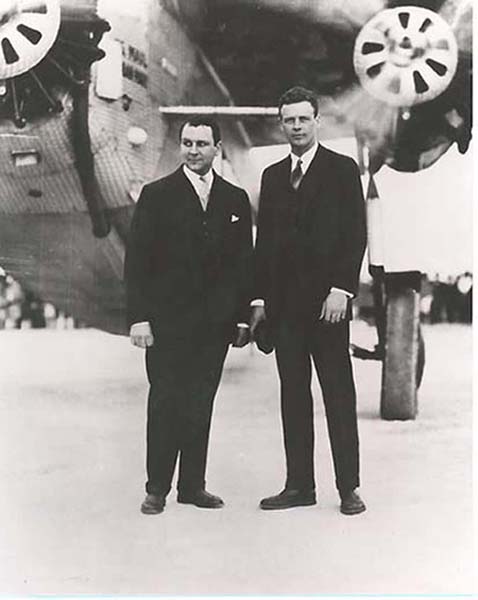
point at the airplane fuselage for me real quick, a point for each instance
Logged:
(69, 178)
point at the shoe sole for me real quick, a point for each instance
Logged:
(199, 505)
(151, 511)
(355, 511)
(285, 507)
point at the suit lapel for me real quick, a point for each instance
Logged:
(213, 202)
(284, 173)
(187, 191)
(216, 206)
(282, 181)
(313, 181)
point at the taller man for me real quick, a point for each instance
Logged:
(187, 268)
(310, 244)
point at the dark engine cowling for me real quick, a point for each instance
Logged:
(46, 50)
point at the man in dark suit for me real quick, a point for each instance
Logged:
(187, 267)
(310, 244)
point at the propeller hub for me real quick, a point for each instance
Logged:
(404, 50)
(28, 29)
(405, 56)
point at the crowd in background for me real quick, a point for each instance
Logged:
(22, 309)
(443, 300)
(447, 300)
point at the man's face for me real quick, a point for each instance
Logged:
(299, 125)
(198, 149)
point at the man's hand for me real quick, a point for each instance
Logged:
(141, 335)
(334, 308)
(258, 315)
(242, 337)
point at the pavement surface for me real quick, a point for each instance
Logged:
(72, 420)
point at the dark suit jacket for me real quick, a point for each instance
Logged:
(328, 231)
(185, 267)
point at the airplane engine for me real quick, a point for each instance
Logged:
(410, 64)
(47, 49)
(406, 56)
(51, 198)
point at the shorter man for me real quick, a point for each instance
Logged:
(187, 268)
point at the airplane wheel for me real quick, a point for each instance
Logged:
(404, 357)
(420, 357)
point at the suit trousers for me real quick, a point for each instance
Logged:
(298, 340)
(184, 375)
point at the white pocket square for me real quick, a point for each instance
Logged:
(234, 218)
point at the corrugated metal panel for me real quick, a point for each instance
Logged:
(60, 193)
(57, 257)
(55, 175)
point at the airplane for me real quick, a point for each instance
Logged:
(80, 136)
(92, 93)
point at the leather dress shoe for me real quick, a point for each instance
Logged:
(200, 498)
(352, 504)
(288, 498)
(153, 504)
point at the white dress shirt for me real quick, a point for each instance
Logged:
(202, 184)
(306, 159)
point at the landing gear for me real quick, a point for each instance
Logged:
(400, 347)
(404, 355)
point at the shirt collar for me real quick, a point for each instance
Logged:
(195, 179)
(306, 158)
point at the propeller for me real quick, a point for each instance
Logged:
(405, 56)
(28, 29)
(411, 99)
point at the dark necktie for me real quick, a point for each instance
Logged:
(296, 175)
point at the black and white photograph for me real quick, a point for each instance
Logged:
(236, 298)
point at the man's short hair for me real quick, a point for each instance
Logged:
(197, 121)
(299, 94)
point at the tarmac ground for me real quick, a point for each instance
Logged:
(72, 424)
